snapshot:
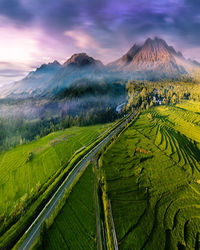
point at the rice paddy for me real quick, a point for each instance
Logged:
(152, 174)
(26, 167)
(75, 226)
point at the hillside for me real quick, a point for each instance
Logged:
(151, 177)
(26, 168)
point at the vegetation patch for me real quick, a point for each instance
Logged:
(75, 225)
(155, 198)
(26, 167)
(143, 151)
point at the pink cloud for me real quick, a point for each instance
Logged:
(87, 43)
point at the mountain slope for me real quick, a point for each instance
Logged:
(34, 83)
(51, 78)
(125, 59)
(77, 67)
(153, 59)
(82, 60)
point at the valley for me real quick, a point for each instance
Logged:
(100, 125)
(148, 178)
(147, 175)
(96, 156)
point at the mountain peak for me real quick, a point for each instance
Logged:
(55, 62)
(158, 43)
(155, 43)
(49, 66)
(154, 59)
(82, 59)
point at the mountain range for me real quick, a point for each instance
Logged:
(153, 60)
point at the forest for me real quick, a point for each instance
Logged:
(87, 103)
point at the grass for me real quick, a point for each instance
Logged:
(25, 168)
(190, 105)
(75, 226)
(185, 121)
(152, 174)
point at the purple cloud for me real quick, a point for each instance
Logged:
(102, 28)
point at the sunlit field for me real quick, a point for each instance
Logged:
(26, 168)
(152, 174)
(75, 226)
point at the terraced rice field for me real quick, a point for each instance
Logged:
(185, 121)
(26, 167)
(75, 226)
(152, 174)
(190, 105)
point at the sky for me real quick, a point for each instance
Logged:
(33, 32)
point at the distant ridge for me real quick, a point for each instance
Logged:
(153, 60)
(51, 78)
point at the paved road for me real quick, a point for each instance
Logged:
(34, 229)
(113, 227)
(98, 227)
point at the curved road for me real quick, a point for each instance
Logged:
(33, 231)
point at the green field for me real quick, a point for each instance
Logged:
(152, 174)
(190, 105)
(26, 167)
(75, 226)
(184, 120)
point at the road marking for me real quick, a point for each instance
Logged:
(31, 237)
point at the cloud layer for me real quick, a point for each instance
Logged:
(38, 31)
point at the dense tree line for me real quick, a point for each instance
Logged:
(87, 88)
(17, 130)
(91, 117)
(144, 94)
